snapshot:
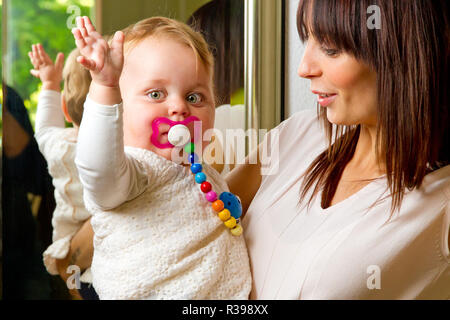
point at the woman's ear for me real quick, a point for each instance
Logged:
(64, 109)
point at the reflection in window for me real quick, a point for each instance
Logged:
(39, 21)
(49, 22)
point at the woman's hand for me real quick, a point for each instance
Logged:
(104, 61)
(50, 73)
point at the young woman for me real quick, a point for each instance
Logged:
(357, 206)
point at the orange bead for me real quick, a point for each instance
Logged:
(217, 205)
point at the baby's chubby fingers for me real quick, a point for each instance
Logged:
(81, 26)
(34, 73)
(36, 54)
(32, 59)
(88, 25)
(117, 42)
(87, 63)
(92, 34)
(79, 39)
(43, 55)
(59, 62)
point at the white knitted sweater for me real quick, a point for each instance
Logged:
(166, 241)
(58, 145)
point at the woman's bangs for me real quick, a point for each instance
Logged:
(333, 23)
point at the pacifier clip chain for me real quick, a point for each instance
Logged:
(228, 207)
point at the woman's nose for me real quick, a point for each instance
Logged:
(309, 66)
(178, 109)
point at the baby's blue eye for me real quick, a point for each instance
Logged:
(156, 95)
(194, 98)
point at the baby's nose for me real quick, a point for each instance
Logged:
(178, 109)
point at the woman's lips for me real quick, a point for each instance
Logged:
(325, 99)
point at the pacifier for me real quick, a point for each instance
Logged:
(178, 135)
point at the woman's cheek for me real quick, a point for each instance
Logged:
(344, 75)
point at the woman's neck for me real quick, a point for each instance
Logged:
(365, 160)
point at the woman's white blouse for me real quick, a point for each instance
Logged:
(349, 250)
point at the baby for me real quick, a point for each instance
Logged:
(160, 231)
(58, 145)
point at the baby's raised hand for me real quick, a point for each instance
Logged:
(104, 61)
(50, 73)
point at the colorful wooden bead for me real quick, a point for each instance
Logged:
(230, 223)
(206, 187)
(211, 196)
(217, 205)
(196, 168)
(237, 230)
(229, 206)
(193, 158)
(190, 147)
(200, 177)
(224, 215)
(232, 203)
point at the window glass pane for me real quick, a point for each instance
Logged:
(30, 195)
(48, 22)
(27, 190)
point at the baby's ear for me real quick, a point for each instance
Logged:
(64, 109)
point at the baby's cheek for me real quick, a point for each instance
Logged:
(208, 118)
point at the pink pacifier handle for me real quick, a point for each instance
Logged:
(162, 120)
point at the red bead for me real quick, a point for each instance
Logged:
(206, 187)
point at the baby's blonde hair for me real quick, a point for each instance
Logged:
(77, 80)
(173, 29)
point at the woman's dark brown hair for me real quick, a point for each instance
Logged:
(410, 54)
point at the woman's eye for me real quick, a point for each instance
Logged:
(156, 95)
(194, 98)
(330, 52)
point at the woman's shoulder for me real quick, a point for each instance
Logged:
(301, 130)
(437, 181)
(308, 115)
(294, 144)
(305, 121)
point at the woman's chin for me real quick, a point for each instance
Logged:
(337, 118)
(333, 117)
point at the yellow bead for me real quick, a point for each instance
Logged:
(230, 223)
(237, 231)
(224, 215)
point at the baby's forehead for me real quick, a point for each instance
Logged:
(145, 45)
(153, 42)
(157, 61)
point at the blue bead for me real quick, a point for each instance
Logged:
(200, 177)
(193, 158)
(232, 203)
(196, 168)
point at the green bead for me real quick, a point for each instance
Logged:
(190, 147)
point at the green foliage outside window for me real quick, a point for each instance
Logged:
(38, 21)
